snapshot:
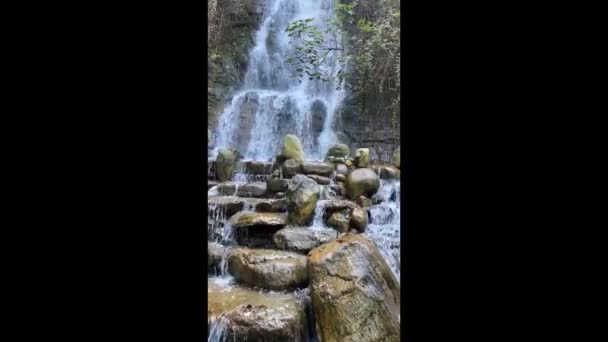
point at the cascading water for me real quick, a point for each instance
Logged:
(271, 102)
(384, 228)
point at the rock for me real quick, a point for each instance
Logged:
(291, 168)
(337, 151)
(362, 182)
(336, 160)
(250, 315)
(397, 157)
(215, 253)
(348, 163)
(359, 220)
(302, 197)
(292, 148)
(340, 178)
(226, 163)
(362, 157)
(389, 172)
(302, 239)
(246, 219)
(342, 169)
(255, 189)
(268, 269)
(320, 179)
(258, 168)
(231, 205)
(317, 168)
(355, 295)
(364, 202)
(340, 220)
(343, 214)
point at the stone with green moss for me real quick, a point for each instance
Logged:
(226, 163)
(337, 151)
(292, 148)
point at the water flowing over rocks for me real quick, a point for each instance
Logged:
(237, 313)
(354, 293)
(283, 188)
(268, 269)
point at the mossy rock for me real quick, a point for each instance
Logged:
(362, 157)
(292, 148)
(226, 163)
(337, 151)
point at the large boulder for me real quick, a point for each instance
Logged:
(268, 269)
(355, 295)
(226, 163)
(292, 148)
(302, 197)
(362, 182)
(317, 168)
(338, 151)
(302, 239)
(362, 157)
(237, 313)
(389, 172)
(397, 157)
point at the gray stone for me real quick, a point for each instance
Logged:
(362, 182)
(302, 239)
(268, 269)
(317, 168)
(302, 197)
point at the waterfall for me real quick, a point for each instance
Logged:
(271, 103)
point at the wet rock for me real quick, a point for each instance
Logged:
(255, 189)
(226, 163)
(397, 157)
(343, 215)
(246, 219)
(317, 168)
(337, 151)
(320, 179)
(291, 168)
(244, 314)
(340, 178)
(340, 220)
(302, 239)
(364, 202)
(292, 148)
(342, 169)
(302, 197)
(362, 182)
(268, 269)
(359, 220)
(389, 172)
(355, 295)
(276, 185)
(231, 205)
(362, 157)
(258, 168)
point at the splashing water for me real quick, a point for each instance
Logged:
(271, 102)
(384, 228)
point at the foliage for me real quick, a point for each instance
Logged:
(371, 32)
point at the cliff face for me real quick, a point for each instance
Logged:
(369, 125)
(232, 27)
